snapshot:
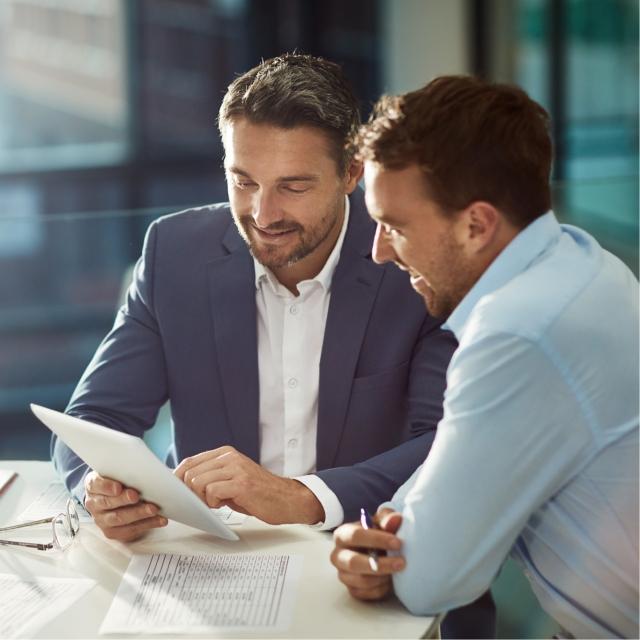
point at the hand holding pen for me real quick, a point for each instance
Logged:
(360, 554)
(368, 522)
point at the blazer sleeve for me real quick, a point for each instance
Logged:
(125, 383)
(373, 481)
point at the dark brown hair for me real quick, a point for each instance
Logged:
(473, 139)
(296, 90)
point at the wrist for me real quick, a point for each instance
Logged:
(308, 509)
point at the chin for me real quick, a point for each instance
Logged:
(269, 259)
(438, 313)
(274, 259)
(436, 308)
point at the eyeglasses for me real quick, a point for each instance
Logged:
(65, 526)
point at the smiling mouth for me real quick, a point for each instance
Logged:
(416, 278)
(274, 234)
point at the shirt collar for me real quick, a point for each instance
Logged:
(325, 276)
(533, 240)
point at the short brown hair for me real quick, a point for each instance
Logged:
(474, 140)
(296, 90)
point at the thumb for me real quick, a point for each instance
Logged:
(390, 521)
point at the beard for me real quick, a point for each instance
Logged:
(303, 241)
(453, 277)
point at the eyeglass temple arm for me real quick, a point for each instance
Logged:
(26, 524)
(31, 545)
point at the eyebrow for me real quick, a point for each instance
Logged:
(384, 220)
(304, 177)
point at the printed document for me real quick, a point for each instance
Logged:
(51, 502)
(28, 605)
(171, 593)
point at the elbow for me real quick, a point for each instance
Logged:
(423, 600)
(429, 595)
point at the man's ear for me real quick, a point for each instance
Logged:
(353, 175)
(478, 226)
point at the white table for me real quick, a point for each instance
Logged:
(323, 608)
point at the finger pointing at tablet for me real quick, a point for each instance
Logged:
(118, 510)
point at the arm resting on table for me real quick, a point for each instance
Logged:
(497, 457)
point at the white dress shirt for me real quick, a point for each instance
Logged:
(290, 336)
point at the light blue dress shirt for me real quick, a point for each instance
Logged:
(537, 452)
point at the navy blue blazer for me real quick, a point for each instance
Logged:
(187, 333)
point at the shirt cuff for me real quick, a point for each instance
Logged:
(77, 490)
(333, 512)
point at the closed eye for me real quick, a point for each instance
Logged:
(291, 189)
(389, 230)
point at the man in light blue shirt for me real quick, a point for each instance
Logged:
(536, 455)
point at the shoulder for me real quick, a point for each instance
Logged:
(197, 231)
(211, 218)
(548, 294)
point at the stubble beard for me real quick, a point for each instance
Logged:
(453, 286)
(274, 257)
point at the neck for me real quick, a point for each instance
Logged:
(486, 258)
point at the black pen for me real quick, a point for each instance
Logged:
(367, 522)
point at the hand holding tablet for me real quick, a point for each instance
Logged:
(118, 510)
(127, 460)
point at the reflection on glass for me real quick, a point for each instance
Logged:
(602, 88)
(60, 286)
(62, 82)
(531, 68)
(599, 84)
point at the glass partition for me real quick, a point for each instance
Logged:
(63, 94)
(607, 208)
(61, 281)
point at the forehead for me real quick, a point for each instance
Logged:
(393, 190)
(259, 147)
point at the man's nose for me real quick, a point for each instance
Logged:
(265, 209)
(382, 250)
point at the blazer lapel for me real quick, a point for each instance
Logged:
(233, 309)
(353, 292)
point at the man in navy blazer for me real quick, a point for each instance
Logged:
(305, 381)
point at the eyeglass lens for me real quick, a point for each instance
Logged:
(65, 527)
(73, 518)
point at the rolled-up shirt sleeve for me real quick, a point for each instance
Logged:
(512, 434)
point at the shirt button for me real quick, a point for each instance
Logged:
(293, 309)
(293, 383)
(292, 443)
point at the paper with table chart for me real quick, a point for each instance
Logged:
(29, 604)
(53, 500)
(171, 593)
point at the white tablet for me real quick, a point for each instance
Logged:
(126, 458)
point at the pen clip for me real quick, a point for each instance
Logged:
(365, 519)
(368, 522)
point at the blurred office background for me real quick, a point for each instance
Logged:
(107, 120)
